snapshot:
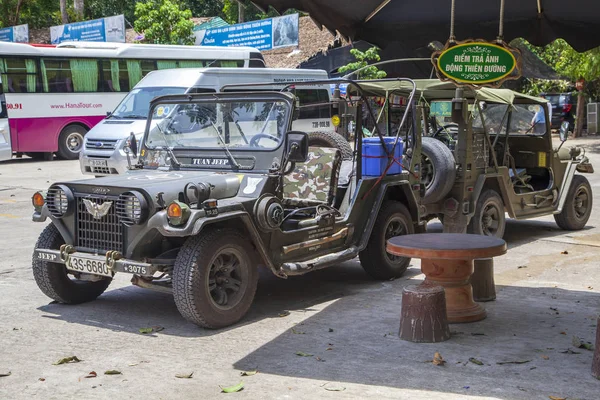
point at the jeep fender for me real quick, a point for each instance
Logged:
(500, 183)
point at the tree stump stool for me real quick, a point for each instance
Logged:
(423, 317)
(482, 280)
(596, 360)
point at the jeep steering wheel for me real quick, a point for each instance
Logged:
(257, 137)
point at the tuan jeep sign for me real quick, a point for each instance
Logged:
(476, 63)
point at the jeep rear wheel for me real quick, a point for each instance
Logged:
(489, 218)
(578, 206)
(331, 139)
(215, 278)
(56, 281)
(438, 170)
(393, 220)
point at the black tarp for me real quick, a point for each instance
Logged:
(416, 23)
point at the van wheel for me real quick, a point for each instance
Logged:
(393, 220)
(70, 142)
(438, 170)
(215, 278)
(331, 139)
(489, 218)
(578, 207)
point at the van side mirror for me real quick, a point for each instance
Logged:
(564, 131)
(297, 146)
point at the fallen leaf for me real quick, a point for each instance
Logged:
(557, 398)
(319, 359)
(330, 330)
(438, 359)
(302, 354)
(329, 348)
(522, 266)
(513, 362)
(66, 360)
(333, 388)
(91, 374)
(112, 372)
(249, 373)
(284, 313)
(41, 379)
(475, 361)
(7, 373)
(145, 331)
(545, 357)
(590, 287)
(184, 376)
(477, 334)
(133, 365)
(232, 389)
(569, 351)
(158, 328)
(581, 345)
(297, 332)
(563, 333)
(564, 252)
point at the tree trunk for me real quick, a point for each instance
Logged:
(78, 6)
(63, 12)
(241, 10)
(17, 13)
(580, 114)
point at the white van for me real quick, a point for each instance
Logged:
(103, 152)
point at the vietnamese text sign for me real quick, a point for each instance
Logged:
(263, 34)
(110, 29)
(19, 33)
(476, 63)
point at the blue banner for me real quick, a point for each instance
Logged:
(264, 34)
(19, 33)
(110, 29)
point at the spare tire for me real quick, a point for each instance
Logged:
(438, 170)
(331, 139)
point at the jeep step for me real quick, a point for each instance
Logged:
(325, 261)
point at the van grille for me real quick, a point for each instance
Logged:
(101, 144)
(98, 234)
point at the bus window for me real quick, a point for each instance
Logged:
(114, 77)
(56, 76)
(85, 75)
(147, 66)
(191, 64)
(18, 75)
(228, 64)
(137, 69)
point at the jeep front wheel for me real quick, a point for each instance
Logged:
(215, 278)
(56, 281)
(489, 218)
(578, 207)
(393, 220)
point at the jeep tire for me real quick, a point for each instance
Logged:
(331, 139)
(578, 205)
(70, 142)
(438, 170)
(53, 279)
(393, 219)
(215, 278)
(489, 218)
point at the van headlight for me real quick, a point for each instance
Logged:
(132, 208)
(60, 201)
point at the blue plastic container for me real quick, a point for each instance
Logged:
(374, 159)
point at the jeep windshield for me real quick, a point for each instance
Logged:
(225, 124)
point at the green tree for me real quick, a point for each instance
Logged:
(164, 21)
(362, 60)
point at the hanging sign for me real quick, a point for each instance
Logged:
(109, 29)
(475, 63)
(19, 34)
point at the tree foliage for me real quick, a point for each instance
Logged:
(164, 21)
(362, 60)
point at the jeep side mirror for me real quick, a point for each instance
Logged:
(564, 131)
(131, 145)
(297, 146)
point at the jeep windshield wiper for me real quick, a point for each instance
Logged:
(175, 164)
(224, 146)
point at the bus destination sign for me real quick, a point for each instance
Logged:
(476, 63)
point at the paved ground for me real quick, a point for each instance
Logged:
(348, 323)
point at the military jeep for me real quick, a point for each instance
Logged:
(219, 187)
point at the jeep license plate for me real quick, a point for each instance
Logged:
(88, 266)
(99, 163)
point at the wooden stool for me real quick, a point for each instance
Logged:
(596, 359)
(423, 316)
(482, 280)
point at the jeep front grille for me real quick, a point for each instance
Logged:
(98, 234)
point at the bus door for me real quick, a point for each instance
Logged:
(5, 148)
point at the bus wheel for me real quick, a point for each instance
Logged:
(70, 142)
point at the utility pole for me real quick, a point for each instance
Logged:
(78, 6)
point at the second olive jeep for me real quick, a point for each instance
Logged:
(220, 186)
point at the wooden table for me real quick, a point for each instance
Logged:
(447, 260)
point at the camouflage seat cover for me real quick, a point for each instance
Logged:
(315, 181)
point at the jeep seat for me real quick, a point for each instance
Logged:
(313, 182)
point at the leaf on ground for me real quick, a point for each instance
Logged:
(513, 362)
(185, 376)
(329, 348)
(522, 266)
(319, 359)
(330, 330)
(297, 332)
(475, 361)
(438, 359)
(557, 398)
(303, 354)
(569, 351)
(249, 373)
(41, 379)
(145, 331)
(158, 328)
(333, 388)
(91, 374)
(564, 252)
(112, 372)
(545, 357)
(7, 373)
(232, 389)
(284, 313)
(580, 344)
(477, 334)
(66, 360)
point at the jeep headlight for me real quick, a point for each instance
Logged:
(60, 201)
(132, 208)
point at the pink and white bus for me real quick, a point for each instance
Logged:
(51, 96)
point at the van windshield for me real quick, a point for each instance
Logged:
(137, 103)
